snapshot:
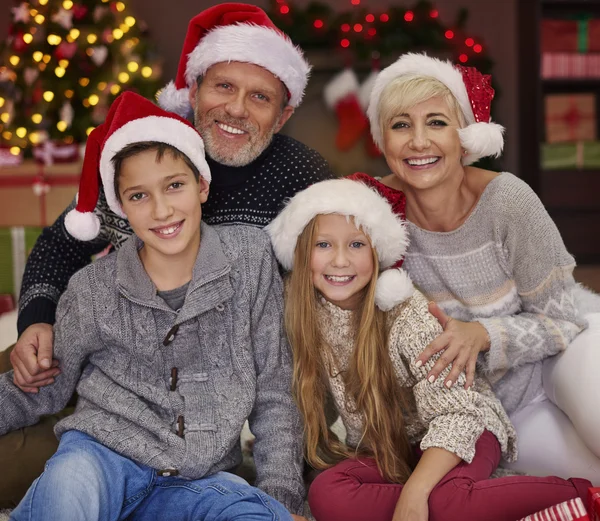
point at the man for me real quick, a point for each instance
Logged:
(241, 78)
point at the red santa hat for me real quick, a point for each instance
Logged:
(233, 32)
(472, 90)
(131, 119)
(377, 215)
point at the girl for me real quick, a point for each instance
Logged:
(356, 336)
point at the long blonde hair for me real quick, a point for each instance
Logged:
(370, 380)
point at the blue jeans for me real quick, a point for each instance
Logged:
(85, 480)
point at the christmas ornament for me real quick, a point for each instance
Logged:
(79, 11)
(30, 74)
(99, 12)
(64, 18)
(99, 55)
(66, 113)
(21, 13)
(65, 50)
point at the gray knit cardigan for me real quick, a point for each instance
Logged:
(118, 342)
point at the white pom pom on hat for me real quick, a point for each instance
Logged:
(130, 119)
(472, 90)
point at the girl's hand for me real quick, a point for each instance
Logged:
(460, 342)
(412, 505)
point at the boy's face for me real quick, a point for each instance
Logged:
(162, 202)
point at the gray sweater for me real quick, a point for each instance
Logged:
(232, 358)
(507, 268)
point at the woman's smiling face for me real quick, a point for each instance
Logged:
(422, 146)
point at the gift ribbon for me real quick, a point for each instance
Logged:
(30, 180)
(49, 151)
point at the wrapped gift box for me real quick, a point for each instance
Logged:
(582, 35)
(594, 503)
(570, 65)
(35, 195)
(15, 245)
(570, 117)
(572, 510)
(565, 156)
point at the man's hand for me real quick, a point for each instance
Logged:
(460, 342)
(298, 518)
(31, 358)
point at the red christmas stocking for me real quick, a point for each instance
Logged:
(341, 95)
(364, 95)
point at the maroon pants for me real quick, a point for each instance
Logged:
(354, 490)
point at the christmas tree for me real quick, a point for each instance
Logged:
(63, 64)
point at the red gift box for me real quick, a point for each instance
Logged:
(50, 152)
(570, 117)
(572, 510)
(570, 65)
(594, 499)
(581, 35)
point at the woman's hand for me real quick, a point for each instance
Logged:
(461, 343)
(412, 505)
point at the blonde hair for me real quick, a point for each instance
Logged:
(405, 92)
(370, 379)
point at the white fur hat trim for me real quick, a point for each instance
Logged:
(84, 226)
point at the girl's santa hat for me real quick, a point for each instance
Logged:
(234, 32)
(472, 90)
(131, 119)
(371, 211)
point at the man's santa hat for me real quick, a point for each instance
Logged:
(472, 90)
(233, 32)
(371, 211)
(131, 119)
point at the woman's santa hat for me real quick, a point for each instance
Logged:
(131, 119)
(371, 211)
(235, 33)
(472, 90)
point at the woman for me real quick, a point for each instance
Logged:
(486, 251)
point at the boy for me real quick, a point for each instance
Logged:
(172, 343)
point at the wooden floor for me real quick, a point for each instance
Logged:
(588, 275)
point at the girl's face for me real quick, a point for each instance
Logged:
(422, 146)
(341, 260)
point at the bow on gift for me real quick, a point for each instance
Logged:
(49, 151)
(40, 186)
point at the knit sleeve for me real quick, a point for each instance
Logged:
(275, 419)
(453, 417)
(542, 270)
(71, 346)
(55, 257)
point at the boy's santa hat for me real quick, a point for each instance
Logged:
(234, 32)
(472, 90)
(131, 119)
(371, 211)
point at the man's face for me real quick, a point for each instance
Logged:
(237, 109)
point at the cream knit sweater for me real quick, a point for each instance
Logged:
(452, 419)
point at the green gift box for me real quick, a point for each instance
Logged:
(15, 244)
(580, 155)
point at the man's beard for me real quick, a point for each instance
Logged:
(226, 153)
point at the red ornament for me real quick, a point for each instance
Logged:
(345, 28)
(358, 28)
(463, 58)
(65, 50)
(409, 16)
(449, 34)
(345, 43)
(79, 11)
(370, 18)
(477, 48)
(284, 9)
(469, 42)
(434, 13)
(480, 92)
(318, 24)
(18, 43)
(384, 17)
